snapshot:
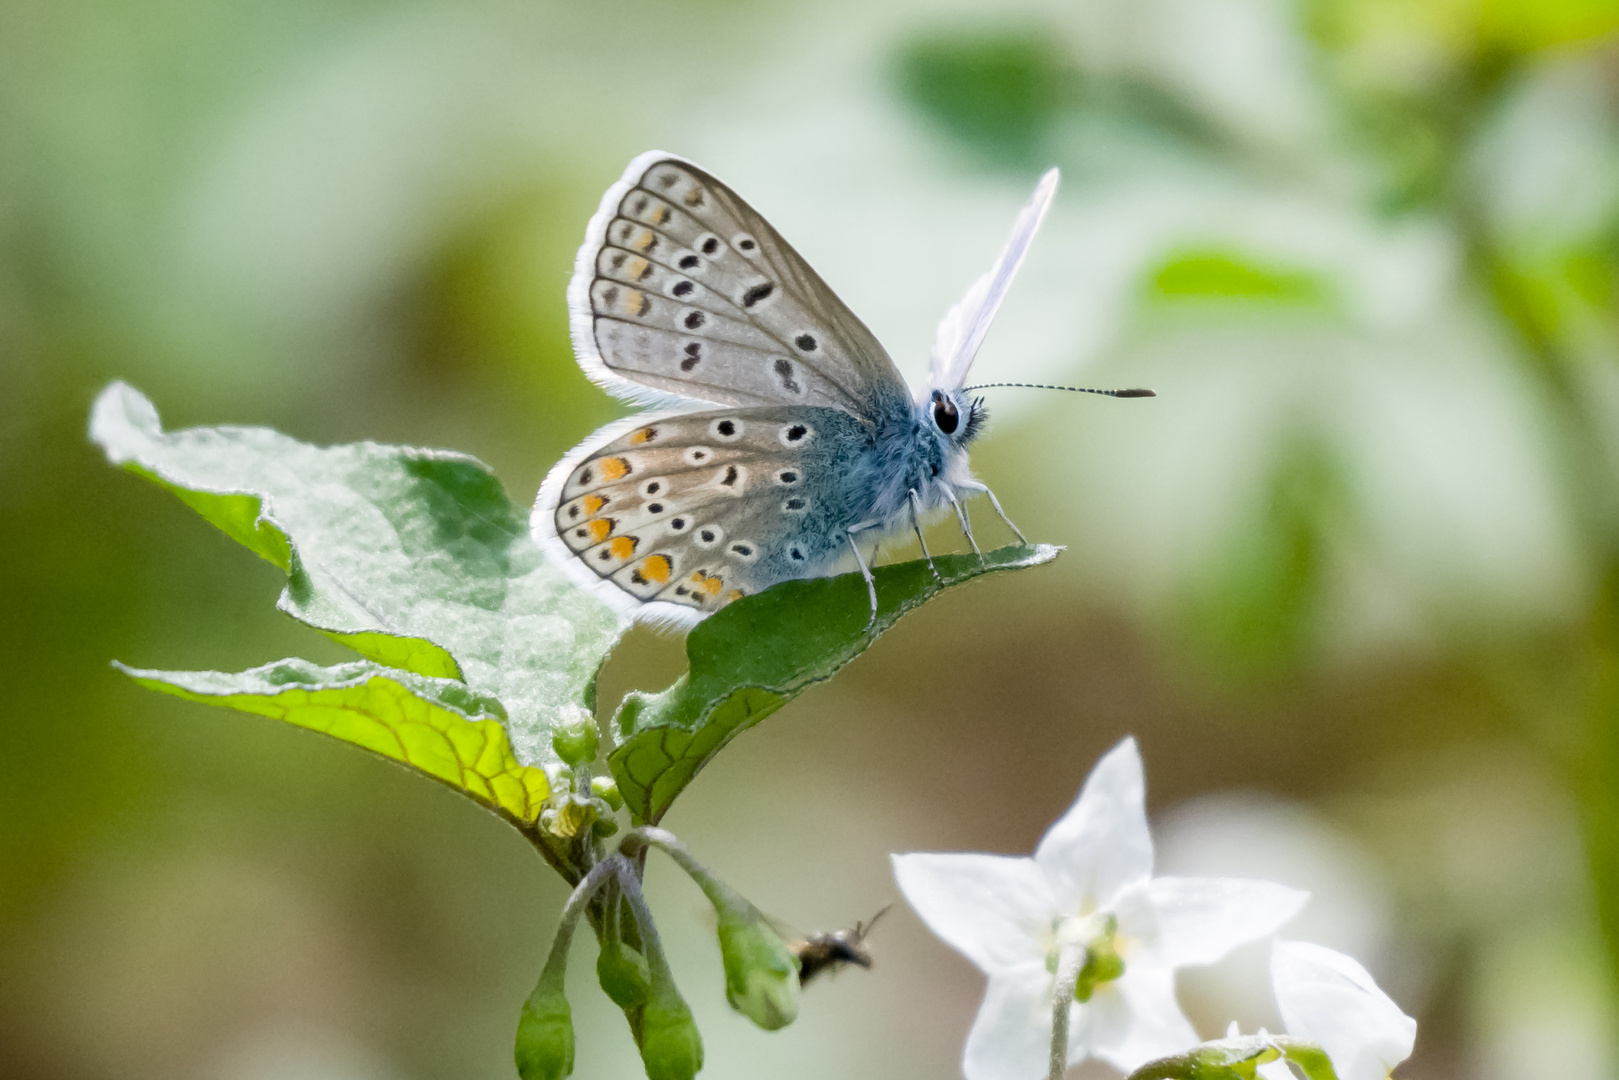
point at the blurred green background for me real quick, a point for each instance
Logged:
(1350, 578)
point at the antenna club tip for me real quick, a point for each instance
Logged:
(1139, 391)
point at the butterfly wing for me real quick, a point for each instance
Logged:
(671, 516)
(682, 291)
(963, 327)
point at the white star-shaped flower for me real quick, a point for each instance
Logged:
(1088, 885)
(1329, 999)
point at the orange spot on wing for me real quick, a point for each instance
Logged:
(636, 267)
(734, 594)
(645, 240)
(645, 435)
(593, 504)
(713, 585)
(599, 529)
(656, 568)
(622, 547)
(614, 468)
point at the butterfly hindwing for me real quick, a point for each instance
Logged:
(682, 289)
(699, 509)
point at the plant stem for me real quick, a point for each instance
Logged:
(1070, 961)
(556, 962)
(721, 895)
(657, 964)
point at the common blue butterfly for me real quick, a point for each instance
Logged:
(685, 299)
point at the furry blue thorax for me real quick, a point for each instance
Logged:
(908, 452)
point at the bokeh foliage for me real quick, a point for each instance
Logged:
(1364, 249)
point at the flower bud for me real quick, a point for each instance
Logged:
(1233, 1058)
(545, 1035)
(604, 827)
(671, 1048)
(622, 973)
(606, 789)
(761, 975)
(574, 739)
(569, 815)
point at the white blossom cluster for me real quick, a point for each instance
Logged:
(1088, 895)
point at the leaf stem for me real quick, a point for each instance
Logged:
(1070, 961)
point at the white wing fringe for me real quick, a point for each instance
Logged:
(963, 327)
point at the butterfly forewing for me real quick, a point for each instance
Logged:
(692, 293)
(703, 508)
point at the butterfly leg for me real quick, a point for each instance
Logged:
(973, 485)
(966, 524)
(916, 523)
(871, 582)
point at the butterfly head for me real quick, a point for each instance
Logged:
(955, 416)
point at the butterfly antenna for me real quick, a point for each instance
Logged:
(1134, 392)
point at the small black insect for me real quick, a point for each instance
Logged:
(826, 952)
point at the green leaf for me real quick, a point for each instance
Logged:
(1000, 91)
(753, 656)
(438, 726)
(414, 558)
(1226, 275)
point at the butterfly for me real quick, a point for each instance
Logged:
(782, 436)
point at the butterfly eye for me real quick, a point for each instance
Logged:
(945, 415)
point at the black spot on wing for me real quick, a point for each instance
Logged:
(784, 372)
(757, 293)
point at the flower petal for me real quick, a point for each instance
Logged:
(1101, 845)
(1200, 920)
(995, 910)
(1329, 998)
(1011, 1039)
(1136, 1018)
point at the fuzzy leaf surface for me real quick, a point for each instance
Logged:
(414, 558)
